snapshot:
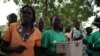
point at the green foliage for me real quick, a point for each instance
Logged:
(68, 11)
(16, 1)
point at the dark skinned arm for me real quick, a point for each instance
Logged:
(5, 48)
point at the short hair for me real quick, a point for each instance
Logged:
(89, 29)
(38, 21)
(52, 19)
(77, 22)
(33, 11)
(12, 16)
(68, 29)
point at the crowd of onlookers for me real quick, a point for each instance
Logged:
(30, 38)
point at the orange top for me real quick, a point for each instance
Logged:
(12, 36)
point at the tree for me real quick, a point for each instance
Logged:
(68, 10)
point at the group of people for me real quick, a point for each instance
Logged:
(30, 38)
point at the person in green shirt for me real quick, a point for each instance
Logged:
(85, 41)
(95, 39)
(52, 36)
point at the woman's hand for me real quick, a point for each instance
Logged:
(20, 49)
